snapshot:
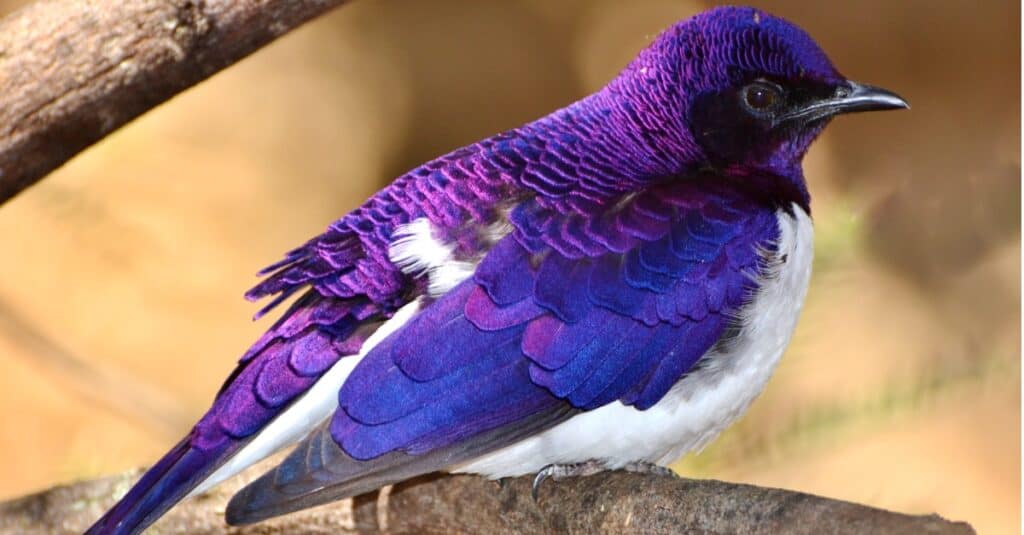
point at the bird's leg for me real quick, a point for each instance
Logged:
(562, 471)
(644, 467)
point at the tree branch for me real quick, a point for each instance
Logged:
(72, 72)
(611, 502)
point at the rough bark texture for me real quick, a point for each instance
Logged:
(72, 71)
(615, 502)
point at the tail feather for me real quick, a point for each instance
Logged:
(162, 486)
(319, 471)
(274, 375)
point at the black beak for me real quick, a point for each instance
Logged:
(849, 98)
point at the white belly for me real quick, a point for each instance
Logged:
(697, 408)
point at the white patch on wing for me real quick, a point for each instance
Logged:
(415, 249)
(306, 413)
(418, 253)
(448, 276)
(700, 405)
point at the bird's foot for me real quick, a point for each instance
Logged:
(644, 467)
(562, 471)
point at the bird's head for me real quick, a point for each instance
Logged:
(741, 92)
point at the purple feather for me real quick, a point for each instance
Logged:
(637, 224)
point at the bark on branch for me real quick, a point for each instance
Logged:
(615, 502)
(73, 71)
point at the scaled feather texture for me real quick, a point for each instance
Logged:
(592, 257)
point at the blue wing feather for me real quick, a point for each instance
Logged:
(561, 287)
(534, 327)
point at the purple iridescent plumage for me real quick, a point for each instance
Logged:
(637, 223)
(618, 324)
(562, 174)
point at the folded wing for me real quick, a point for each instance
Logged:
(564, 315)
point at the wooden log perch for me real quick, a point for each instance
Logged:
(73, 71)
(611, 502)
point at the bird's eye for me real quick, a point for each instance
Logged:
(762, 96)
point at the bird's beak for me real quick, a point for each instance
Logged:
(859, 97)
(850, 97)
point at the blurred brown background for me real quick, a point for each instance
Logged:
(120, 289)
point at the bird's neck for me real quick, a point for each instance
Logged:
(780, 188)
(636, 140)
(601, 151)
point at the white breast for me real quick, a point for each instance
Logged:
(701, 405)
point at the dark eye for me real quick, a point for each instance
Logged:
(762, 96)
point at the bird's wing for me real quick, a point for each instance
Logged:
(351, 287)
(560, 316)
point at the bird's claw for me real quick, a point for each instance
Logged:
(644, 467)
(562, 471)
(542, 474)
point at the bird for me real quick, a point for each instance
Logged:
(607, 287)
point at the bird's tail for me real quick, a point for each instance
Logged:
(279, 368)
(162, 486)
